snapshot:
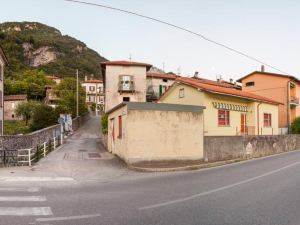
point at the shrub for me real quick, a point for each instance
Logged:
(296, 126)
(43, 116)
(104, 124)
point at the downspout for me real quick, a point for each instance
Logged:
(288, 106)
(258, 117)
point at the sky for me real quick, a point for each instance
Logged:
(265, 29)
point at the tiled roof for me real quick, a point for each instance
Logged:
(52, 77)
(93, 81)
(126, 63)
(15, 97)
(170, 76)
(220, 83)
(271, 74)
(223, 90)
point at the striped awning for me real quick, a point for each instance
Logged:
(232, 107)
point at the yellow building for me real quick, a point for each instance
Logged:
(228, 111)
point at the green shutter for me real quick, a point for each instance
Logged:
(160, 90)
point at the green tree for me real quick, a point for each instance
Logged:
(43, 116)
(296, 126)
(66, 91)
(104, 123)
(25, 110)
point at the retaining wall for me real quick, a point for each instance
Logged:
(217, 148)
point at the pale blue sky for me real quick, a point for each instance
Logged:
(266, 29)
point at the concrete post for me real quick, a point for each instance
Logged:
(29, 156)
(54, 143)
(45, 149)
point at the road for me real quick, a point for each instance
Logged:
(261, 191)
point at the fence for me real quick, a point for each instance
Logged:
(18, 150)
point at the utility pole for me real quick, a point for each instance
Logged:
(77, 94)
(96, 99)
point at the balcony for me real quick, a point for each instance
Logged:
(294, 101)
(126, 83)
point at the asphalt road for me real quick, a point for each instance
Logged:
(262, 191)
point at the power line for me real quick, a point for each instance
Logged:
(180, 28)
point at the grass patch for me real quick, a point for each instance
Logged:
(14, 127)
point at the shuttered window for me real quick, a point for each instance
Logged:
(223, 118)
(120, 127)
(267, 119)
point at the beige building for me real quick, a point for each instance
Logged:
(139, 132)
(94, 91)
(54, 78)
(10, 104)
(228, 111)
(124, 81)
(3, 62)
(158, 83)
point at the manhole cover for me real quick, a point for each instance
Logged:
(94, 155)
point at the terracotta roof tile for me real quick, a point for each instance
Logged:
(126, 63)
(223, 90)
(170, 76)
(92, 81)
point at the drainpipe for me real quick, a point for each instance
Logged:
(288, 106)
(258, 118)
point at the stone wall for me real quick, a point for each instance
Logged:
(217, 148)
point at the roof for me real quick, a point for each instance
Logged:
(3, 55)
(158, 107)
(271, 74)
(220, 83)
(52, 77)
(15, 97)
(170, 76)
(222, 90)
(126, 63)
(93, 81)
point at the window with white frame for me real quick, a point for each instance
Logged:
(181, 93)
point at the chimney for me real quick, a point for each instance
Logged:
(85, 78)
(231, 80)
(262, 68)
(196, 74)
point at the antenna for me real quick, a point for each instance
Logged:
(129, 56)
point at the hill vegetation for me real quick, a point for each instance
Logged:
(32, 45)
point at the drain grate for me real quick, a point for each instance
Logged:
(94, 155)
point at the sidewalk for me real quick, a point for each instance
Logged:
(82, 157)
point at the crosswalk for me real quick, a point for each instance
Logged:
(19, 201)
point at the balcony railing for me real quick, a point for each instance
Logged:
(126, 83)
(294, 101)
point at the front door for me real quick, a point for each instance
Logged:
(243, 123)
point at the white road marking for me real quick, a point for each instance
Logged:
(25, 211)
(22, 198)
(217, 189)
(31, 179)
(30, 189)
(67, 218)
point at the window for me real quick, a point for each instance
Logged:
(267, 119)
(12, 116)
(120, 127)
(126, 99)
(223, 118)
(181, 93)
(165, 80)
(251, 83)
(92, 88)
(12, 105)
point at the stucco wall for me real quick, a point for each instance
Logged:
(2, 95)
(150, 135)
(192, 96)
(218, 148)
(112, 96)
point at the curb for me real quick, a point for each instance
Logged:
(183, 168)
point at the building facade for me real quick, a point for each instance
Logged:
(158, 83)
(94, 92)
(146, 132)
(3, 62)
(278, 87)
(10, 104)
(228, 111)
(124, 81)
